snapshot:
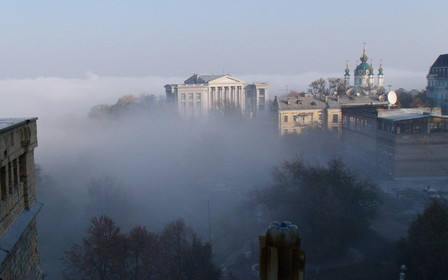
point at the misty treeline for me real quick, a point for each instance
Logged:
(106, 253)
(126, 104)
(332, 207)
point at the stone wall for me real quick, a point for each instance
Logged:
(19, 258)
(22, 261)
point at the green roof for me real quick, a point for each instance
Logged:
(363, 66)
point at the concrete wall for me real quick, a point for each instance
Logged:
(421, 155)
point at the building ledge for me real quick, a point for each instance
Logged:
(16, 229)
(420, 178)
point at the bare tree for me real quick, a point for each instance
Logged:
(143, 248)
(105, 253)
(101, 254)
(318, 86)
(327, 87)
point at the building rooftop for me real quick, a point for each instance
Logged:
(202, 79)
(300, 103)
(408, 115)
(9, 123)
(441, 61)
(334, 102)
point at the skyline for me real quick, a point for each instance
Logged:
(287, 43)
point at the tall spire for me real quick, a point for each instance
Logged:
(364, 57)
(347, 71)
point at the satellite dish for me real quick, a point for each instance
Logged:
(392, 97)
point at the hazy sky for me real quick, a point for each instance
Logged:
(286, 42)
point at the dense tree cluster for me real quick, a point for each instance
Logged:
(331, 206)
(124, 105)
(106, 254)
(425, 249)
(412, 99)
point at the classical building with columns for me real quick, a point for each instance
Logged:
(19, 258)
(200, 95)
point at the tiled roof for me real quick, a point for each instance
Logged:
(300, 103)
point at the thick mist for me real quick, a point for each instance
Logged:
(149, 169)
(146, 167)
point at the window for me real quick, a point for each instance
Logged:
(3, 182)
(9, 178)
(182, 96)
(335, 118)
(16, 174)
(198, 96)
(320, 116)
(285, 118)
(198, 104)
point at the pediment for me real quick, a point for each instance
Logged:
(226, 79)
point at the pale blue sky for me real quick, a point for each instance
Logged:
(244, 38)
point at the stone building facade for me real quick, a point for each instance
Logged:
(200, 95)
(19, 258)
(293, 115)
